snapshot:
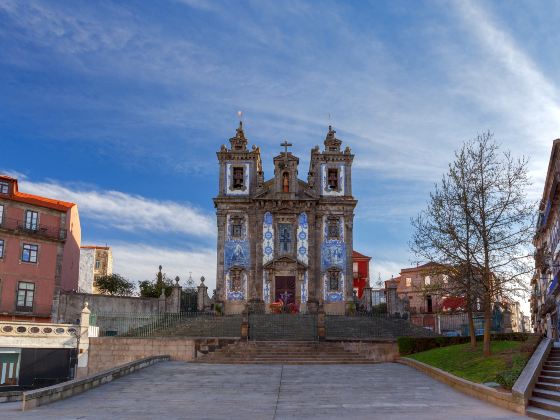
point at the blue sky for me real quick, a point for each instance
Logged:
(121, 106)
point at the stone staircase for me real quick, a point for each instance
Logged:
(545, 401)
(283, 327)
(284, 352)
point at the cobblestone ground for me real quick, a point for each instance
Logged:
(176, 390)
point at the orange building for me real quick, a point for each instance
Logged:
(39, 251)
(360, 268)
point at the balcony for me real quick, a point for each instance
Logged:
(19, 227)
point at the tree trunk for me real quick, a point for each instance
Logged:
(487, 324)
(472, 332)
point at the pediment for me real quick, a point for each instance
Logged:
(285, 260)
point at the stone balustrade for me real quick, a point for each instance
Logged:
(38, 335)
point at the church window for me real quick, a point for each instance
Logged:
(238, 179)
(236, 228)
(333, 230)
(332, 179)
(334, 279)
(236, 281)
(285, 238)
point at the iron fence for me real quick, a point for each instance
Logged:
(182, 324)
(372, 326)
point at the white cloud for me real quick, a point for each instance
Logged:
(508, 85)
(128, 212)
(139, 262)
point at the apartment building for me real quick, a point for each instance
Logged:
(39, 251)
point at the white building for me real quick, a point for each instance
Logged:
(94, 261)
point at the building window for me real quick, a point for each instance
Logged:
(236, 285)
(445, 278)
(31, 219)
(1, 214)
(238, 181)
(427, 280)
(1, 248)
(332, 179)
(355, 267)
(334, 279)
(236, 227)
(97, 264)
(333, 229)
(25, 294)
(408, 282)
(285, 238)
(29, 253)
(4, 187)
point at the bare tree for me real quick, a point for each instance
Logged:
(502, 219)
(477, 227)
(444, 234)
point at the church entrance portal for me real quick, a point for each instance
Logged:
(285, 289)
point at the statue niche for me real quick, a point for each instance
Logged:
(286, 182)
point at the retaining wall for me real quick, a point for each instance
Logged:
(108, 352)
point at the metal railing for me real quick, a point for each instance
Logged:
(372, 326)
(33, 229)
(182, 324)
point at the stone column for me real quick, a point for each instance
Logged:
(201, 296)
(161, 302)
(83, 343)
(173, 302)
(366, 298)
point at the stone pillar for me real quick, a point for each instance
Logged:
(321, 320)
(161, 302)
(202, 295)
(83, 343)
(173, 302)
(366, 298)
(245, 325)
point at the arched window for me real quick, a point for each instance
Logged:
(236, 278)
(334, 280)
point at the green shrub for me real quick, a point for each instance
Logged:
(411, 345)
(507, 378)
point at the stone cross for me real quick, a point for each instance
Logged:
(285, 145)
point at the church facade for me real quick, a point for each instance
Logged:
(284, 238)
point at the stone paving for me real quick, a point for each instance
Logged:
(179, 390)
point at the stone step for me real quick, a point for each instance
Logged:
(546, 393)
(541, 413)
(547, 372)
(549, 366)
(548, 385)
(545, 403)
(548, 379)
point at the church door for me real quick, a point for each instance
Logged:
(285, 289)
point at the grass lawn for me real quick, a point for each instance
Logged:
(461, 361)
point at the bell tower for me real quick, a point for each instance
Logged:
(285, 173)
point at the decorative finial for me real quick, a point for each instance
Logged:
(160, 267)
(177, 280)
(202, 279)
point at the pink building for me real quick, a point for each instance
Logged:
(39, 251)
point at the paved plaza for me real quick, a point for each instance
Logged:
(178, 390)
